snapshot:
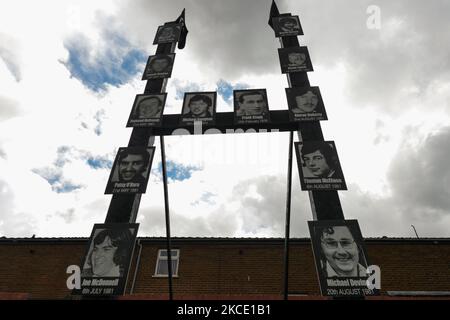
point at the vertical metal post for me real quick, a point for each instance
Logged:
(325, 205)
(288, 218)
(415, 231)
(166, 207)
(123, 207)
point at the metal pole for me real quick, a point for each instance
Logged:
(124, 207)
(288, 218)
(325, 205)
(137, 266)
(166, 206)
(415, 231)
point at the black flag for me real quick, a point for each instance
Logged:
(184, 30)
(273, 12)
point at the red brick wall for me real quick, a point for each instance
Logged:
(412, 267)
(38, 269)
(237, 268)
(209, 269)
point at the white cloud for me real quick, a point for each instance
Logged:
(381, 89)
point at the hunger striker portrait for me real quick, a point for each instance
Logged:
(251, 106)
(167, 33)
(199, 106)
(131, 170)
(305, 104)
(108, 252)
(159, 66)
(287, 26)
(341, 255)
(295, 59)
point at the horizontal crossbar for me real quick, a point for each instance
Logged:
(279, 121)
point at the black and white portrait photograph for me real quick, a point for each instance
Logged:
(147, 110)
(105, 266)
(167, 33)
(318, 166)
(287, 26)
(305, 104)
(251, 106)
(295, 59)
(159, 66)
(198, 106)
(340, 256)
(130, 171)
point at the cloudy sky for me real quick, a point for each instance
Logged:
(69, 72)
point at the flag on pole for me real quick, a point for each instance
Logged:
(273, 12)
(184, 31)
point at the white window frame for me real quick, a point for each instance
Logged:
(175, 257)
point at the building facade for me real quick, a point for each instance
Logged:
(221, 268)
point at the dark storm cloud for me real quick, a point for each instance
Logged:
(260, 203)
(419, 183)
(265, 208)
(262, 212)
(226, 38)
(390, 216)
(216, 224)
(377, 216)
(420, 177)
(406, 58)
(405, 55)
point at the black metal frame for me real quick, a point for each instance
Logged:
(325, 204)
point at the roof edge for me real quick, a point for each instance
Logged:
(383, 240)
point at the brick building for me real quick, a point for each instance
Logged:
(214, 268)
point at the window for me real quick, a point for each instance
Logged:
(162, 269)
